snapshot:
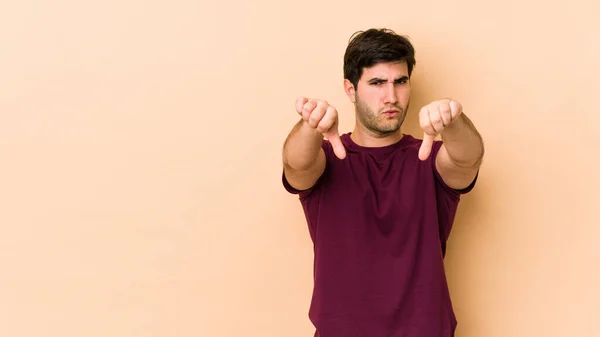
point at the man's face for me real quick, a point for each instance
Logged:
(382, 97)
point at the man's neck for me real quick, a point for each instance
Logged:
(367, 138)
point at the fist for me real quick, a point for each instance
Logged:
(434, 118)
(319, 115)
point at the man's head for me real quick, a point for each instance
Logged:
(378, 64)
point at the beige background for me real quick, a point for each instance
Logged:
(140, 185)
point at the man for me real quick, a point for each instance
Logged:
(379, 203)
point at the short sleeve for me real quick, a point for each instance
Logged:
(447, 199)
(326, 146)
(435, 150)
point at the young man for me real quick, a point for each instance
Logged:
(379, 203)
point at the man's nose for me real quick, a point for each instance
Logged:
(390, 93)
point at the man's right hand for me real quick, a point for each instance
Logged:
(319, 115)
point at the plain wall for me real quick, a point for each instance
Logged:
(140, 148)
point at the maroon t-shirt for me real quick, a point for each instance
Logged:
(379, 221)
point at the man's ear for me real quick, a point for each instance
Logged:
(350, 90)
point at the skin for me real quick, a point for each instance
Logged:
(384, 87)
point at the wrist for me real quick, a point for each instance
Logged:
(457, 124)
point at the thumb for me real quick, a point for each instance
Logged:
(336, 143)
(426, 146)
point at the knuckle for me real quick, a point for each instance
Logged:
(324, 124)
(323, 127)
(331, 111)
(322, 104)
(313, 119)
(301, 101)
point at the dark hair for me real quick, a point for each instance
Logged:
(366, 48)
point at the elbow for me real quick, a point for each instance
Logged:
(470, 162)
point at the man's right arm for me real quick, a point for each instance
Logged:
(303, 157)
(304, 160)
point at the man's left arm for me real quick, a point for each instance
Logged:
(461, 153)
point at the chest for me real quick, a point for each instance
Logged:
(381, 203)
(393, 185)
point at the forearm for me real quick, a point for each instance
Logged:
(302, 146)
(463, 142)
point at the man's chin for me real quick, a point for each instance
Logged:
(389, 129)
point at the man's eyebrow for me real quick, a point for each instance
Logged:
(399, 79)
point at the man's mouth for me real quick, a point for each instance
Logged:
(391, 113)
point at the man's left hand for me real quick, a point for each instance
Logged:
(434, 118)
